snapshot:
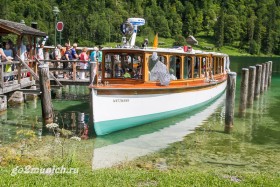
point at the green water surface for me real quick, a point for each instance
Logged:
(262, 118)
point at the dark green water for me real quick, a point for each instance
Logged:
(72, 112)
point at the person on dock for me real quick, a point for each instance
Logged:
(74, 51)
(3, 57)
(57, 56)
(47, 57)
(99, 55)
(68, 56)
(93, 59)
(40, 54)
(84, 62)
(9, 67)
(23, 56)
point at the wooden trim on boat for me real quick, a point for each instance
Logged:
(155, 88)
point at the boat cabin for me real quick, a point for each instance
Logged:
(133, 66)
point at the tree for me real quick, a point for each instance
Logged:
(180, 41)
(231, 29)
(188, 19)
(219, 29)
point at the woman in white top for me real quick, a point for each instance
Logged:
(40, 54)
(2, 55)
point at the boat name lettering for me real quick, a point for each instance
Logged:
(120, 100)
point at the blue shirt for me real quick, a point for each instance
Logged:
(73, 51)
(99, 56)
(93, 56)
(70, 56)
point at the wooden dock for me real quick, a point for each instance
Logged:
(20, 81)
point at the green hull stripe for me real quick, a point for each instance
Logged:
(106, 127)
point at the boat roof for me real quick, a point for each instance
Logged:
(178, 50)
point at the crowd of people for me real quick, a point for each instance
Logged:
(64, 56)
(67, 55)
(8, 52)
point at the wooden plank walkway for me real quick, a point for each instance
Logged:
(12, 86)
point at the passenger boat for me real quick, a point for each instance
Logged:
(139, 85)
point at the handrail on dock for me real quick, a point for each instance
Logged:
(18, 71)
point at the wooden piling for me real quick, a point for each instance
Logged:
(258, 81)
(251, 85)
(243, 91)
(266, 76)
(263, 77)
(47, 109)
(230, 97)
(92, 75)
(270, 72)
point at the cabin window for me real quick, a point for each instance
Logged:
(123, 65)
(203, 67)
(212, 65)
(175, 66)
(196, 67)
(218, 69)
(152, 63)
(187, 67)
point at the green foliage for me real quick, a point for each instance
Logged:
(97, 22)
(179, 41)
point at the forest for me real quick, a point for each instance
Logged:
(251, 25)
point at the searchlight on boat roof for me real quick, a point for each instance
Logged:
(130, 26)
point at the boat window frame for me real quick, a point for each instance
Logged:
(177, 57)
(161, 57)
(187, 66)
(133, 65)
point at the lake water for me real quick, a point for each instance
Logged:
(72, 113)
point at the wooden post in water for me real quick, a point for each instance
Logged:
(243, 91)
(92, 75)
(258, 80)
(270, 73)
(251, 85)
(230, 97)
(263, 77)
(266, 76)
(47, 109)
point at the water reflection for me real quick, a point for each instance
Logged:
(70, 114)
(169, 131)
(260, 125)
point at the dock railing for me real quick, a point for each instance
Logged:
(16, 71)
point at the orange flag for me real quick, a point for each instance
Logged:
(155, 44)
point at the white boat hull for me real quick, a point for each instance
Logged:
(116, 112)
